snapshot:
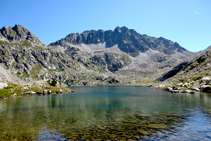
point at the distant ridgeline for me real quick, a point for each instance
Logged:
(119, 56)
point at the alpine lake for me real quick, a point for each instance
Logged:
(107, 113)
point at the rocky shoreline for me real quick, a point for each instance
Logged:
(177, 89)
(49, 87)
(38, 93)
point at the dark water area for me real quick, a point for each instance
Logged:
(107, 113)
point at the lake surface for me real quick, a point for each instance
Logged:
(107, 113)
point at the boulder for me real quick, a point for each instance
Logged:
(196, 89)
(28, 92)
(25, 88)
(169, 89)
(206, 88)
(3, 85)
(206, 78)
(45, 92)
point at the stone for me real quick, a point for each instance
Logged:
(169, 89)
(196, 89)
(25, 88)
(207, 78)
(142, 132)
(162, 126)
(3, 85)
(112, 136)
(60, 91)
(206, 88)
(45, 92)
(29, 92)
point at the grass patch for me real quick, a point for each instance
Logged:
(35, 70)
(4, 43)
(26, 43)
(185, 88)
(18, 90)
(12, 33)
(24, 75)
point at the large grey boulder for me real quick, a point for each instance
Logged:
(3, 85)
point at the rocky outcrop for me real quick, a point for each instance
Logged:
(173, 72)
(19, 33)
(195, 76)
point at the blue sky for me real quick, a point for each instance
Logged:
(187, 22)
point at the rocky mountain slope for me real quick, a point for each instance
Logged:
(124, 52)
(192, 76)
(121, 56)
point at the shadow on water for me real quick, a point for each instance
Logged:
(115, 113)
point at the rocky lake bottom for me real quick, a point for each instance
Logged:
(107, 113)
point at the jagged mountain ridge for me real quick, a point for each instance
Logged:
(87, 59)
(18, 33)
(128, 41)
(25, 59)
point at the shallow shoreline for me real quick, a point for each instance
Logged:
(25, 95)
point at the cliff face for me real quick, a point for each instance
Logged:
(90, 58)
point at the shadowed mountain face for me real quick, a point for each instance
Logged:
(90, 58)
(128, 41)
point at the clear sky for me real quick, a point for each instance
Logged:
(187, 22)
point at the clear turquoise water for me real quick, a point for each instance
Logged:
(115, 112)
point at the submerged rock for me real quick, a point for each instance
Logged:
(162, 126)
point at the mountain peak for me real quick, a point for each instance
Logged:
(128, 41)
(121, 29)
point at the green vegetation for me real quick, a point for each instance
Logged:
(26, 43)
(185, 88)
(12, 33)
(4, 43)
(24, 75)
(11, 90)
(38, 47)
(146, 82)
(126, 57)
(35, 70)
(16, 89)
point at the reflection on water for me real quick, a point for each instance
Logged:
(107, 113)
